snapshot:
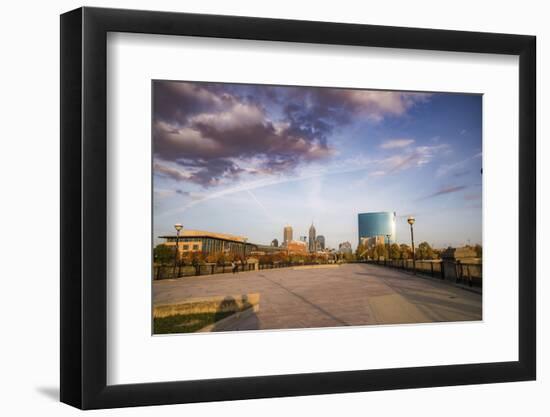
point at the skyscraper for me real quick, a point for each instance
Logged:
(287, 234)
(320, 242)
(312, 245)
(275, 243)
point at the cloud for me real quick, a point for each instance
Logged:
(445, 190)
(348, 166)
(472, 196)
(409, 158)
(176, 174)
(396, 143)
(163, 193)
(376, 105)
(415, 157)
(234, 129)
(206, 173)
(211, 130)
(458, 168)
(460, 174)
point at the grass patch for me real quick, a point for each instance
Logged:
(187, 323)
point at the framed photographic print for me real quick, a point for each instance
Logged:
(258, 208)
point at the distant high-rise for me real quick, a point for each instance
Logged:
(287, 234)
(312, 244)
(303, 238)
(345, 247)
(321, 242)
(275, 243)
(377, 224)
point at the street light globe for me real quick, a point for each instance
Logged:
(178, 226)
(410, 220)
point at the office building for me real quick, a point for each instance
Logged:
(199, 241)
(377, 224)
(287, 234)
(296, 247)
(312, 242)
(320, 242)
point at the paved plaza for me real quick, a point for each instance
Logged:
(347, 295)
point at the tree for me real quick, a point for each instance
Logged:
(164, 254)
(211, 258)
(395, 251)
(380, 251)
(361, 251)
(348, 256)
(424, 251)
(479, 250)
(221, 258)
(406, 252)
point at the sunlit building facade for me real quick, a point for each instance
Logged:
(199, 241)
(296, 247)
(287, 234)
(373, 241)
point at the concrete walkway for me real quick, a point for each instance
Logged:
(352, 294)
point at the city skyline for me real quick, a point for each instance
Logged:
(249, 159)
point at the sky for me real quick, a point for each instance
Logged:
(249, 159)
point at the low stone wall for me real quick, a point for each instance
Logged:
(228, 303)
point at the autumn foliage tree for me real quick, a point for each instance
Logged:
(395, 251)
(164, 254)
(424, 251)
(405, 251)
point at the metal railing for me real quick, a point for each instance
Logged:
(464, 273)
(185, 270)
(469, 274)
(276, 265)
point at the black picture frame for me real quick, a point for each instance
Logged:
(84, 207)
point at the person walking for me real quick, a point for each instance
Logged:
(234, 267)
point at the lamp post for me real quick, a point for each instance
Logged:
(388, 254)
(178, 227)
(411, 220)
(244, 252)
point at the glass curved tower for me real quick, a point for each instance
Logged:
(377, 224)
